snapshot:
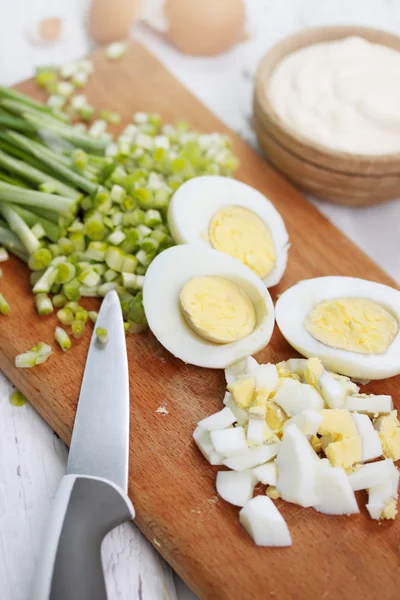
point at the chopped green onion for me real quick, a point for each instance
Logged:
(89, 278)
(97, 251)
(72, 289)
(104, 288)
(144, 258)
(56, 101)
(88, 292)
(65, 272)
(4, 306)
(97, 128)
(130, 263)
(111, 117)
(38, 231)
(44, 305)
(80, 79)
(65, 316)
(152, 218)
(19, 227)
(59, 300)
(116, 237)
(17, 399)
(77, 329)
(62, 339)
(65, 89)
(93, 315)
(45, 282)
(115, 258)
(86, 112)
(36, 356)
(102, 335)
(3, 255)
(78, 241)
(110, 275)
(116, 50)
(72, 305)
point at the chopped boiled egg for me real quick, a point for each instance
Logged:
(308, 422)
(334, 492)
(258, 432)
(236, 487)
(371, 475)
(239, 368)
(369, 403)
(233, 218)
(264, 523)
(345, 452)
(201, 319)
(330, 389)
(351, 324)
(295, 397)
(266, 473)
(242, 391)
(297, 466)
(388, 428)
(240, 414)
(338, 423)
(275, 417)
(203, 441)
(371, 444)
(383, 498)
(266, 377)
(219, 420)
(252, 457)
(229, 442)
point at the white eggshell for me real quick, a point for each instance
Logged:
(235, 487)
(266, 473)
(297, 465)
(334, 492)
(241, 415)
(295, 397)
(370, 404)
(380, 494)
(371, 475)
(163, 283)
(229, 442)
(239, 368)
(196, 201)
(251, 458)
(203, 441)
(308, 422)
(219, 420)
(294, 305)
(371, 444)
(264, 523)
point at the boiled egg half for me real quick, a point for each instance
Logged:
(234, 218)
(351, 324)
(205, 307)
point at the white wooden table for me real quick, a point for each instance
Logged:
(32, 459)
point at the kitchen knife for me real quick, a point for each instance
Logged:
(92, 498)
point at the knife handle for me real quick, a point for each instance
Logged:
(85, 510)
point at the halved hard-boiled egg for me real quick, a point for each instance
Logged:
(234, 218)
(205, 307)
(351, 324)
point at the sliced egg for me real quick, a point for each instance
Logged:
(219, 420)
(192, 295)
(371, 444)
(264, 523)
(383, 498)
(240, 414)
(229, 442)
(234, 218)
(236, 487)
(351, 325)
(203, 441)
(369, 403)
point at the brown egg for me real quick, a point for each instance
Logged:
(111, 20)
(205, 27)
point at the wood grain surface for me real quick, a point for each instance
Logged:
(171, 484)
(345, 178)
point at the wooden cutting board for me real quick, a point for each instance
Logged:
(171, 484)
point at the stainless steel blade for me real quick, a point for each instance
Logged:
(100, 439)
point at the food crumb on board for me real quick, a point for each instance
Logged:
(162, 409)
(213, 500)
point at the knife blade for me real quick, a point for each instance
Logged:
(100, 439)
(91, 499)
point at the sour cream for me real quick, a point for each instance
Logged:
(344, 95)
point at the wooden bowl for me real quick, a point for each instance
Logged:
(343, 178)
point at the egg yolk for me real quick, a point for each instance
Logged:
(217, 309)
(352, 324)
(242, 234)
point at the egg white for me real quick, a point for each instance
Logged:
(164, 280)
(196, 201)
(295, 304)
